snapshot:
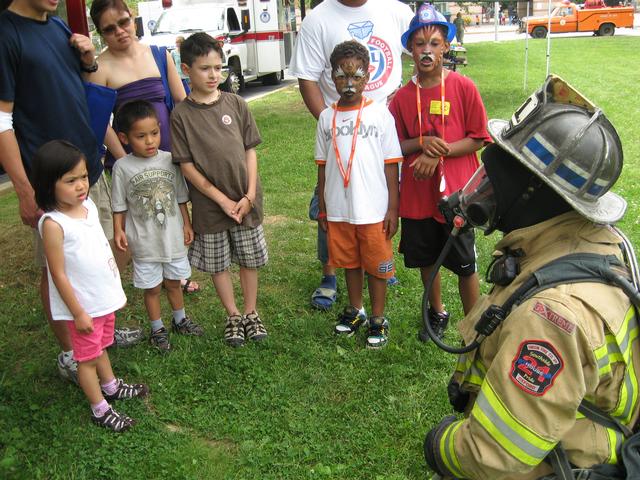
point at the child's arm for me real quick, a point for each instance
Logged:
(52, 240)
(245, 204)
(119, 235)
(465, 146)
(205, 187)
(390, 224)
(186, 224)
(322, 208)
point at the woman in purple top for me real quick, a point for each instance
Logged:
(130, 68)
(133, 70)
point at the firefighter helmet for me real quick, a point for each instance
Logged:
(568, 142)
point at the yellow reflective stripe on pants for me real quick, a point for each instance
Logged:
(473, 370)
(447, 449)
(518, 440)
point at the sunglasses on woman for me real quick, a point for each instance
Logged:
(123, 23)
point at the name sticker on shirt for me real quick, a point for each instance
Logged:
(434, 107)
(535, 367)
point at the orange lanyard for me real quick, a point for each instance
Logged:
(346, 175)
(419, 106)
(442, 105)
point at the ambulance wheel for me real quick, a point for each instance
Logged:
(273, 78)
(539, 32)
(606, 30)
(235, 80)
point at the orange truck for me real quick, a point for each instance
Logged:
(573, 18)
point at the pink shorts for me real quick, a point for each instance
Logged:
(87, 346)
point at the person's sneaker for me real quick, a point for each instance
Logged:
(253, 327)
(187, 327)
(126, 337)
(160, 340)
(349, 321)
(68, 370)
(234, 331)
(438, 322)
(378, 333)
(124, 390)
(114, 421)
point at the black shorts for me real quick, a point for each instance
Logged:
(421, 242)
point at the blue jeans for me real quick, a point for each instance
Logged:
(314, 210)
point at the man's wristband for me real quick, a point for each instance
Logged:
(322, 215)
(91, 68)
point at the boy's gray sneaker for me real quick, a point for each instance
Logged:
(187, 327)
(160, 340)
(253, 327)
(349, 321)
(68, 370)
(378, 333)
(234, 331)
(126, 337)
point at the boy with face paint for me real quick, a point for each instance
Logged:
(357, 153)
(439, 147)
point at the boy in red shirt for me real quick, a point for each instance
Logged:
(439, 149)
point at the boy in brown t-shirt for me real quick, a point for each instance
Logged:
(213, 139)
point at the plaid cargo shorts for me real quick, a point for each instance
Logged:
(214, 252)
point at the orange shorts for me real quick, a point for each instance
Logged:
(360, 246)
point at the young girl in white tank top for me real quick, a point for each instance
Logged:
(84, 282)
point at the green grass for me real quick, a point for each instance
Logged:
(304, 405)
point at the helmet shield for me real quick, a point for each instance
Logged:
(567, 141)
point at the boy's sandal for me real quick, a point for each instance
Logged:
(189, 286)
(323, 298)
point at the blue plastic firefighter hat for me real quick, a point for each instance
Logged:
(425, 16)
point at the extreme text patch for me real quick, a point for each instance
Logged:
(559, 321)
(536, 366)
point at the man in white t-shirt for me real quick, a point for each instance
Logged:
(377, 24)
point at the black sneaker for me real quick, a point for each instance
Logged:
(187, 327)
(160, 340)
(114, 421)
(125, 390)
(438, 322)
(253, 327)
(349, 321)
(234, 331)
(378, 333)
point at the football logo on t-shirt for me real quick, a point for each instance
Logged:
(381, 57)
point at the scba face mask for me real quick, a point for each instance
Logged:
(473, 206)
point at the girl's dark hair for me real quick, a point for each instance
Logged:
(199, 45)
(349, 49)
(131, 112)
(50, 162)
(98, 7)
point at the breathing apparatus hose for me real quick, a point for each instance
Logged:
(458, 224)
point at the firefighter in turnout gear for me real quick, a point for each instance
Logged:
(545, 184)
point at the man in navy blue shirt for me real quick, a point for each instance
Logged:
(41, 99)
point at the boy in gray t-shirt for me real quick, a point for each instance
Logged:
(150, 218)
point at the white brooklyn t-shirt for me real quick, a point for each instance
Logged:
(378, 24)
(366, 199)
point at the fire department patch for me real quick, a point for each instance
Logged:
(545, 312)
(536, 366)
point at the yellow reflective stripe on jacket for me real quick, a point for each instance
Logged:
(473, 370)
(615, 438)
(617, 349)
(518, 440)
(448, 450)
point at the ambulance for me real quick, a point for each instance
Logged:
(258, 35)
